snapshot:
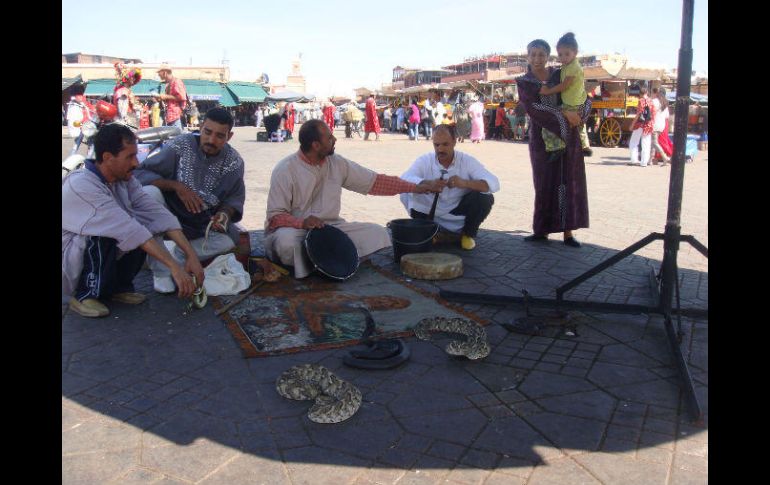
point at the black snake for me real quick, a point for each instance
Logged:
(475, 346)
(335, 400)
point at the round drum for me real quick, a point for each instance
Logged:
(332, 252)
(432, 266)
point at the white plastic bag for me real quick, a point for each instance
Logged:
(225, 276)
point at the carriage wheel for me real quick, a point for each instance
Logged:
(609, 132)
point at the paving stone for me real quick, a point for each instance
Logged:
(113, 410)
(593, 404)
(467, 475)
(414, 442)
(265, 469)
(608, 375)
(189, 426)
(496, 378)
(528, 443)
(560, 472)
(546, 367)
(192, 462)
(660, 426)
(539, 384)
(655, 455)
(419, 401)
(99, 467)
(458, 426)
(138, 476)
(656, 392)
(289, 432)
(687, 477)
(321, 466)
(98, 436)
(610, 468)
(364, 439)
(510, 396)
(651, 438)
(569, 431)
(573, 371)
(480, 459)
(449, 451)
(523, 363)
(493, 412)
(484, 399)
(428, 469)
(451, 377)
(256, 436)
(379, 474)
(559, 351)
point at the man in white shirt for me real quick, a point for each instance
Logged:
(439, 111)
(465, 188)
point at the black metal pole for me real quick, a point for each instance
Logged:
(672, 233)
(673, 228)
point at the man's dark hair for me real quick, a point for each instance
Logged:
(309, 133)
(448, 128)
(111, 139)
(221, 116)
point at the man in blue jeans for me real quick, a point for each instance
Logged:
(175, 97)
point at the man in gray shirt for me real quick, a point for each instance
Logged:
(200, 179)
(108, 224)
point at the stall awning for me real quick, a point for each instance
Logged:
(202, 90)
(105, 87)
(290, 97)
(69, 81)
(245, 92)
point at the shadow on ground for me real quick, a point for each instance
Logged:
(156, 387)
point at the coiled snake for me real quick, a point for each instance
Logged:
(335, 400)
(475, 346)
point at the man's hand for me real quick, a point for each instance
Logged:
(545, 91)
(456, 182)
(435, 186)
(220, 220)
(183, 282)
(189, 198)
(312, 222)
(572, 118)
(193, 266)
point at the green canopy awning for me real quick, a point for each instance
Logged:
(105, 87)
(201, 90)
(69, 81)
(245, 92)
(197, 90)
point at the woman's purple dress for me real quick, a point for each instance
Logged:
(559, 181)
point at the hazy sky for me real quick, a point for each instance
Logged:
(346, 44)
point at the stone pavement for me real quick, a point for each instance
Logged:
(156, 394)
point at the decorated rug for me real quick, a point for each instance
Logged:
(317, 313)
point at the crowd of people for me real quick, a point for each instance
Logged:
(116, 212)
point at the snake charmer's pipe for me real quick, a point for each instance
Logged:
(435, 198)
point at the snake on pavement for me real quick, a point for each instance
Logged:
(475, 346)
(335, 399)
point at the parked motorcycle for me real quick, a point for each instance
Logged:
(149, 140)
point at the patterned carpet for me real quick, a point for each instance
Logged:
(316, 313)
